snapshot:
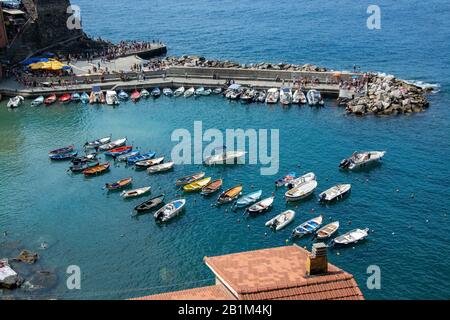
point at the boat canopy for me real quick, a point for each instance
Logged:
(234, 86)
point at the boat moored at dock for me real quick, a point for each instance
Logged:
(314, 98)
(38, 101)
(285, 96)
(112, 98)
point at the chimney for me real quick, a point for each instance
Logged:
(317, 261)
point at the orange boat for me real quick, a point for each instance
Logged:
(119, 184)
(101, 168)
(212, 187)
(50, 99)
(230, 194)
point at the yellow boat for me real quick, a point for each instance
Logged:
(197, 185)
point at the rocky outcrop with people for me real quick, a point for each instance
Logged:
(387, 95)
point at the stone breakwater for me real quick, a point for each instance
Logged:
(386, 95)
(202, 62)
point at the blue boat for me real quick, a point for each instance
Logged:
(248, 200)
(84, 98)
(285, 180)
(307, 227)
(63, 156)
(142, 157)
(123, 95)
(156, 93)
(75, 97)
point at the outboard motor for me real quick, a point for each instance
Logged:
(344, 163)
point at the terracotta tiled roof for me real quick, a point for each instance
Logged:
(217, 292)
(280, 273)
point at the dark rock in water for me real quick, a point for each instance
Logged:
(27, 257)
(41, 280)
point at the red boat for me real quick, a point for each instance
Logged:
(119, 151)
(50, 99)
(135, 96)
(65, 98)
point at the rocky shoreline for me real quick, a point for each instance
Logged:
(387, 95)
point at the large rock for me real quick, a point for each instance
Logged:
(9, 279)
(27, 257)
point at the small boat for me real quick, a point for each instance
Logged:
(65, 98)
(112, 145)
(99, 169)
(123, 95)
(84, 98)
(97, 143)
(112, 98)
(135, 96)
(62, 150)
(261, 206)
(119, 151)
(301, 191)
(145, 94)
(150, 205)
(161, 167)
(218, 90)
(212, 187)
(285, 96)
(228, 157)
(281, 220)
(119, 184)
(285, 180)
(351, 237)
(230, 194)
(83, 165)
(148, 163)
(327, 231)
(361, 159)
(248, 95)
(156, 92)
(142, 157)
(299, 97)
(314, 98)
(97, 96)
(189, 179)
(273, 94)
(180, 91)
(50, 99)
(38, 101)
(63, 156)
(86, 158)
(170, 210)
(189, 93)
(135, 193)
(75, 97)
(196, 185)
(248, 199)
(305, 178)
(335, 192)
(261, 96)
(308, 227)
(199, 91)
(167, 92)
(234, 91)
(126, 156)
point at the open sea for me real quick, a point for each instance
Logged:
(405, 200)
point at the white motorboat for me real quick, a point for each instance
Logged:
(281, 220)
(199, 91)
(305, 178)
(218, 90)
(135, 193)
(261, 97)
(228, 157)
(261, 206)
(285, 96)
(112, 98)
(314, 98)
(179, 92)
(38, 101)
(273, 94)
(170, 210)
(145, 94)
(248, 95)
(189, 92)
(299, 97)
(15, 102)
(327, 231)
(351, 237)
(161, 167)
(111, 145)
(361, 159)
(167, 92)
(301, 191)
(234, 91)
(335, 192)
(123, 95)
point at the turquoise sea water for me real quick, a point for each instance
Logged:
(122, 257)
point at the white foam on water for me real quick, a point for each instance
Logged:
(425, 85)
